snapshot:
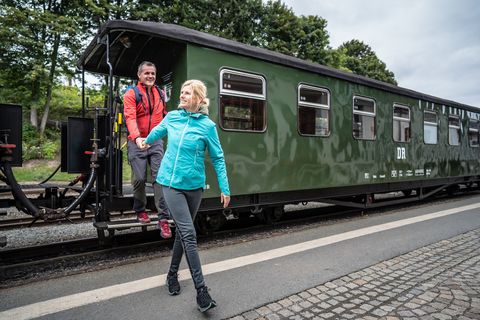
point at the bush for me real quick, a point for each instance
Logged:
(50, 149)
(36, 147)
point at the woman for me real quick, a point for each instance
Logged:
(182, 176)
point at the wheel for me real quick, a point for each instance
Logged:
(368, 199)
(271, 215)
(209, 223)
(451, 190)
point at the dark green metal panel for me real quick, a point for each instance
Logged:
(281, 159)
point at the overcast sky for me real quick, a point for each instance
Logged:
(432, 46)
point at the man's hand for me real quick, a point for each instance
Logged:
(141, 143)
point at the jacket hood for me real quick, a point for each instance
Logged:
(202, 109)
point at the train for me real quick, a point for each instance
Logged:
(292, 131)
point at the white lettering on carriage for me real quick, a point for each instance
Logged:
(401, 153)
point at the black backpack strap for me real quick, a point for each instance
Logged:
(138, 95)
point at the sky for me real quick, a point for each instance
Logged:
(432, 46)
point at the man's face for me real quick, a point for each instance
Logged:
(147, 76)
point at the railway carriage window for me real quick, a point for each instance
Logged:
(401, 123)
(364, 118)
(430, 127)
(454, 131)
(313, 111)
(242, 101)
(473, 133)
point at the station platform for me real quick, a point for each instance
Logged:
(440, 281)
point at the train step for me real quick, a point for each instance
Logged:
(127, 223)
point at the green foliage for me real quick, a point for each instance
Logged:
(313, 40)
(50, 149)
(39, 42)
(359, 58)
(35, 146)
(67, 101)
(280, 28)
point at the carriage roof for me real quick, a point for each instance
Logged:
(147, 37)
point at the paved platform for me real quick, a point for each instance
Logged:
(436, 282)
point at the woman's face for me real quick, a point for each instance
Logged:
(187, 100)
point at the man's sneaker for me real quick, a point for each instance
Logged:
(204, 301)
(165, 231)
(173, 285)
(143, 217)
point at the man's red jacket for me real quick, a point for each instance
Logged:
(141, 118)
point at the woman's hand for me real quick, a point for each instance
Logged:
(141, 143)
(224, 199)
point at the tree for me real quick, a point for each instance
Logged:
(279, 28)
(359, 58)
(313, 40)
(38, 50)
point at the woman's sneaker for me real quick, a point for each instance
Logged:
(164, 227)
(204, 301)
(173, 285)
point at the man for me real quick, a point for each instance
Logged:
(144, 108)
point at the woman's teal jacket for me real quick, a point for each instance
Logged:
(183, 165)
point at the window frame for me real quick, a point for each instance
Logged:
(363, 113)
(470, 129)
(315, 106)
(436, 124)
(400, 119)
(262, 96)
(459, 127)
(242, 94)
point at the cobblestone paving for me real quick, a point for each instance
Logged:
(437, 282)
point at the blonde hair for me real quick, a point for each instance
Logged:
(199, 91)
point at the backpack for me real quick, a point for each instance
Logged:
(138, 98)
(138, 95)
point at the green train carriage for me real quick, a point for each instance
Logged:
(295, 131)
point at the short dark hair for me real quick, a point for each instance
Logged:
(145, 63)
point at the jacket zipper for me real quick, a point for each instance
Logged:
(195, 158)
(178, 151)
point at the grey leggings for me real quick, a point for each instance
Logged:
(183, 206)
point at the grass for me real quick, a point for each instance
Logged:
(39, 172)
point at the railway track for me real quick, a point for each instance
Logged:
(27, 221)
(28, 264)
(70, 257)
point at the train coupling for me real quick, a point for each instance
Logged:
(48, 214)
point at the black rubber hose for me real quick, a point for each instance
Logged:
(50, 177)
(83, 194)
(17, 192)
